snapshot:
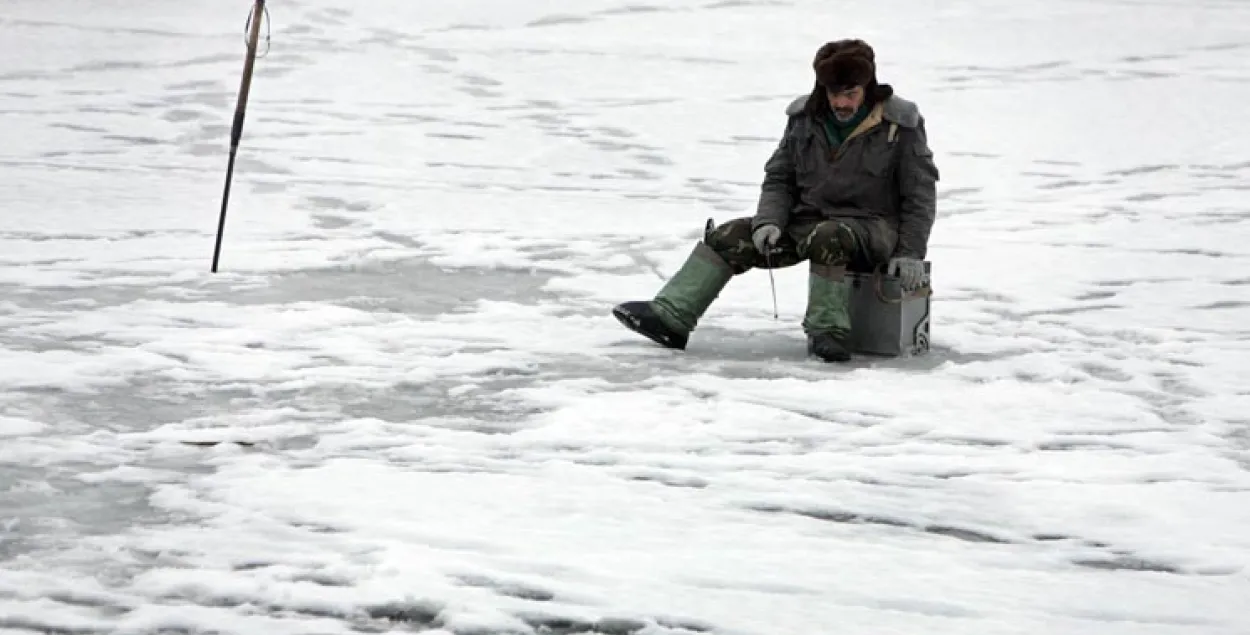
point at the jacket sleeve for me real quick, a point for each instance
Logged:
(779, 192)
(917, 181)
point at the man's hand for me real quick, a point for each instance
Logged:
(910, 272)
(765, 238)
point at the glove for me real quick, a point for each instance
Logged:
(765, 238)
(910, 272)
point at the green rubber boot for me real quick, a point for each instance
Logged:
(827, 321)
(669, 318)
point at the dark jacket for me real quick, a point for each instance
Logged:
(883, 170)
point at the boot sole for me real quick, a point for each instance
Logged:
(631, 323)
(836, 358)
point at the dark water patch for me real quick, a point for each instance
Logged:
(631, 9)
(735, 4)
(1103, 372)
(132, 140)
(1140, 74)
(848, 517)
(459, 136)
(195, 84)
(179, 115)
(47, 628)
(635, 174)
(618, 146)
(610, 131)
(214, 444)
(1191, 251)
(545, 624)
(976, 442)
(251, 566)
(679, 624)
(1126, 563)
(557, 20)
(703, 185)
(833, 515)
(77, 127)
(246, 165)
(653, 159)
(1074, 310)
(671, 480)
(978, 155)
(1143, 197)
(107, 65)
(23, 76)
(480, 80)
(958, 192)
(1095, 295)
(104, 605)
(328, 222)
(1224, 304)
(311, 158)
(323, 579)
(1119, 284)
(962, 533)
(1134, 59)
(210, 100)
(479, 92)
(333, 202)
(1067, 183)
(517, 590)
(466, 26)
(301, 29)
(1069, 445)
(1113, 560)
(1144, 169)
(560, 625)
(472, 166)
(421, 614)
(631, 102)
(201, 60)
(1051, 537)
(318, 528)
(45, 343)
(1174, 386)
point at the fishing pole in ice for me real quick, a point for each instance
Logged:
(768, 251)
(258, 13)
(772, 284)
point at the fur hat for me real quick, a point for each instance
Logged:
(845, 63)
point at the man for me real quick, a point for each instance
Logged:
(852, 182)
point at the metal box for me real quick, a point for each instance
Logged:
(883, 320)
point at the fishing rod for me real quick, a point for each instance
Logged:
(236, 132)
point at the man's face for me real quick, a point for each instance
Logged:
(845, 102)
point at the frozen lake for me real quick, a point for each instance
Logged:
(403, 404)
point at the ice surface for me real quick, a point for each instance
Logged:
(403, 405)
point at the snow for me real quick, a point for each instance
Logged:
(402, 404)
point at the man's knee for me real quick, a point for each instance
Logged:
(732, 242)
(831, 243)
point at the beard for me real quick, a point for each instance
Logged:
(844, 114)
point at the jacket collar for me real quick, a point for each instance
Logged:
(874, 119)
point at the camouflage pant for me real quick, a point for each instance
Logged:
(837, 242)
